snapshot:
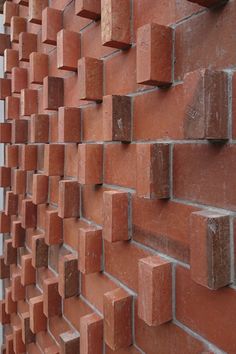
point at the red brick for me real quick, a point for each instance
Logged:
(5, 177)
(206, 115)
(29, 102)
(29, 214)
(11, 203)
(27, 45)
(28, 157)
(11, 155)
(68, 276)
(40, 189)
(19, 131)
(70, 342)
(38, 67)
(69, 199)
(27, 335)
(39, 128)
(53, 92)
(39, 252)
(54, 160)
(9, 9)
(5, 223)
(5, 88)
(210, 249)
(90, 250)
(9, 344)
(117, 306)
(18, 25)
(18, 290)
(69, 125)
(4, 269)
(4, 317)
(5, 132)
(19, 79)
(68, 49)
(115, 216)
(155, 290)
(4, 42)
(51, 298)
(18, 234)
(28, 274)
(208, 3)
(38, 321)
(117, 118)
(91, 334)
(53, 228)
(51, 24)
(11, 306)
(18, 345)
(23, 2)
(19, 181)
(90, 72)
(10, 253)
(11, 58)
(12, 107)
(71, 153)
(88, 9)
(90, 163)
(35, 10)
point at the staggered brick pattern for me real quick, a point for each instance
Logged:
(120, 193)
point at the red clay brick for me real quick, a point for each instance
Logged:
(19, 181)
(28, 157)
(28, 274)
(9, 344)
(5, 177)
(11, 155)
(19, 79)
(18, 25)
(51, 24)
(70, 342)
(19, 131)
(9, 9)
(39, 252)
(5, 223)
(40, 189)
(68, 276)
(11, 59)
(90, 251)
(11, 203)
(29, 102)
(4, 317)
(54, 160)
(5, 132)
(53, 92)
(11, 306)
(90, 163)
(69, 125)
(12, 107)
(68, 50)
(51, 298)
(208, 3)
(88, 9)
(69, 199)
(38, 67)
(29, 214)
(18, 290)
(53, 228)
(27, 45)
(90, 72)
(27, 335)
(18, 345)
(5, 88)
(10, 253)
(18, 234)
(4, 42)
(39, 128)
(4, 269)
(91, 334)
(38, 321)
(35, 10)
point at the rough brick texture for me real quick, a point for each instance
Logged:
(118, 228)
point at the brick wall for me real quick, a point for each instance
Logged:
(119, 216)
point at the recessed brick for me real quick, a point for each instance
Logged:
(5, 132)
(39, 128)
(29, 214)
(5, 88)
(90, 251)
(18, 234)
(115, 23)
(12, 107)
(53, 93)
(69, 199)
(10, 253)
(19, 181)
(4, 317)
(11, 59)
(115, 216)
(68, 276)
(9, 9)
(5, 223)
(28, 273)
(28, 157)
(154, 54)
(4, 269)
(38, 67)
(18, 25)
(11, 306)
(69, 125)
(51, 24)
(27, 45)
(19, 79)
(70, 342)
(153, 170)
(29, 102)
(117, 307)
(19, 131)
(18, 290)
(210, 249)
(39, 252)
(27, 335)
(54, 160)
(91, 334)
(38, 321)
(90, 163)
(52, 304)
(40, 189)
(5, 177)
(4, 42)
(53, 228)
(90, 85)
(68, 49)
(88, 9)
(18, 345)
(207, 109)
(117, 118)
(11, 155)
(35, 10)
(23, 2)
(11, 203)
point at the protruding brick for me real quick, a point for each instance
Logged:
(54, 160)
(39, 128)
(154, 290)
(91, 334)
(51, 24)
(28, 157)
(70, 342)
(19, 79)
(18, 234)
(38, 67)
(9, 9)
(4, 42)
(38, 321)
(68, 276)
(5, 88)
(88, 9)
(90, 163)
(28, 274)
(19, 131)
(4, 317)
(90, 84)
(51, 298)
(9, 344)
(35, 10)
(40, 189)
(117, 118)
(29, 214)
(4, 269)
(115, 216)
(11, 155)
(5, 177)
(69, 125)
(19, 181)
(18, 290)
(12, 107)
(53, 93)
(90, 251)
(11, 203)
(68, 49)
(11, 59)
(27, 45)
(27, 335)
(117, 307)
(210, 249)
(153, 170)
(18, 25)
(53, 228)
(69, 199)
(18, 345)
(11, 306)
(154, 54)
(39, 252)
(29, 102)
(207, 110)
(115, 23)
(10, 253)
(5, 223)
(208, 3)
(5, 132)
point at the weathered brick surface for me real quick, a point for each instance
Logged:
(119, 217)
